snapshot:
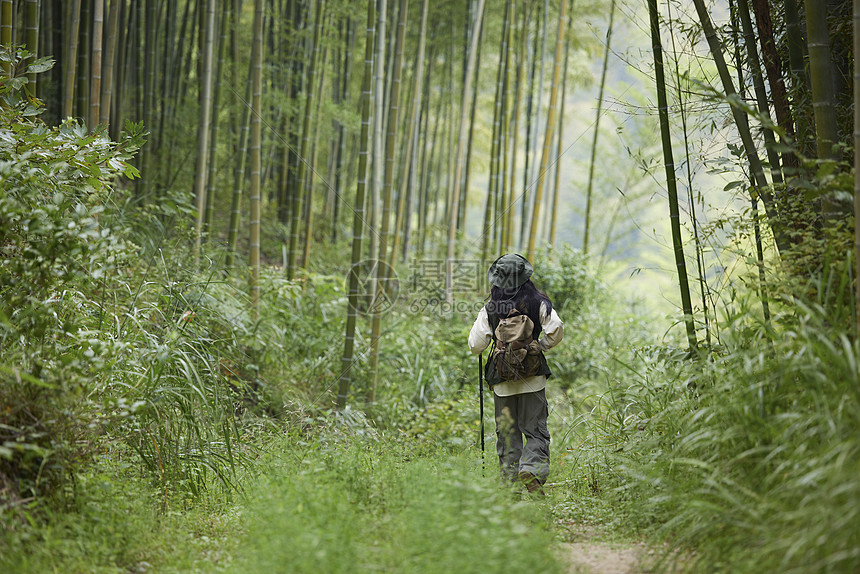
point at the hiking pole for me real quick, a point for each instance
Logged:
(481, 400)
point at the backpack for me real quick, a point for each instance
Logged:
(517, 356)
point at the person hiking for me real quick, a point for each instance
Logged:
(517, 370)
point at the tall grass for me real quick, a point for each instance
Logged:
(750, 458)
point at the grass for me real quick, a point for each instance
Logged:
(343, 505)
(332, 502)
(747, 458)
(113, 521)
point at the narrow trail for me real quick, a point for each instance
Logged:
(604, 558)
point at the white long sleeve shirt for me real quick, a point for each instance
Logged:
(481, 335)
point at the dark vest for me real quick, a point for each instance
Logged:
(490, 373)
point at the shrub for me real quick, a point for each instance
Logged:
(54, 255)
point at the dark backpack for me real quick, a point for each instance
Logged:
(516, 355)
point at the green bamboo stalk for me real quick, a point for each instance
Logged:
(212, 164)
(6, 28)
(204, 127)
(31, 34)
(700, 266)
(96, 74)
(515, 122)
(411, 140)
(555, 192)
(109, 63)
(760, 90)
(239, 167)
(345, 378)
(309, 176)
(590, 186)
(773, 69)
(461, 219)
(256, 156)
(821, 76)
(671, 184)
(71, 49)
(305, 144)
(382, 275)
(495, 156)
(505, 187)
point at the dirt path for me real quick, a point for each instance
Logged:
(589, 554)
(605, 558)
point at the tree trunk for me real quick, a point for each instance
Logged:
(203, 127)
(305, 145)
(671, 186)
(821, 75)
(760, 90)
(71, 51)
(31, 32)
(96, 75)
(590, 187)
(461, 143)
(358, 218)
(554, 215)
(550, 129)
(256, 155)
(411, 139)
(109, 64)
(856, 168)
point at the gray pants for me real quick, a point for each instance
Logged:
(518, 417)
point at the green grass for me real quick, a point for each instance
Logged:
(113, 521)
(369, 506)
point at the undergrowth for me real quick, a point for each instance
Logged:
(746, 457)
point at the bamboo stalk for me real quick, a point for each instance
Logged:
(742, 123)
(856, 6)
(31, 34)
(671, 183)
(96, 74)
(256, 156)
(590, 186)
(345, 378)
(72, 58)
(461, 142)
(550, 129)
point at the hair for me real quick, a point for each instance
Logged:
(501, 301)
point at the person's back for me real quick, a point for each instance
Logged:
(521, 408)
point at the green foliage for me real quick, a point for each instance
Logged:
(54, 256)
(564, 275)
(96, 341)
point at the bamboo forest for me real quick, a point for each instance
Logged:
(358, 286)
